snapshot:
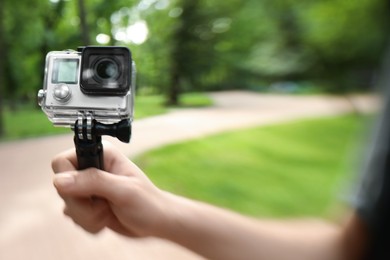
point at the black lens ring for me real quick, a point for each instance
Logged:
(109, 60)
(93, 85)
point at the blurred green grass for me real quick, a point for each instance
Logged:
(28, 121)
(292, 169)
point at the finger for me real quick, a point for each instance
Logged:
(115, 225)
(117, 163)
(114, 161)
(91, 214)
(102, 216)
(90, 182)
(65, 161)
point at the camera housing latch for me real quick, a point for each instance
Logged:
(88, 139)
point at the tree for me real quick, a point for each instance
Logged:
(333, 43)
(183, 50)
(51, 17)
(192, 47)
(198, 45)
(2, 67)
(84, 28)
(23, 30)
(346, 37)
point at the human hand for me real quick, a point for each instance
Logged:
(121, 198)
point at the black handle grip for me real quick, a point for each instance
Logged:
(88, 140)
(89, 153)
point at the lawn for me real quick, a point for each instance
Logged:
(28, 121)
(294, 169)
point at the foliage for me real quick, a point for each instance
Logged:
(182, 46)
(217, 43)
(294, 169)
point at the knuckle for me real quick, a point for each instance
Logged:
(94, 175)
(90, 227)
(89, 222)
(55, 162)
(93, 229)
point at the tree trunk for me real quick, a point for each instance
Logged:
(182, 53)
(84, 29)
(174, 88)
(2, 68)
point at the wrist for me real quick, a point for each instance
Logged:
(177, 214)
(201, 228)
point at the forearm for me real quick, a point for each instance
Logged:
(220, 234)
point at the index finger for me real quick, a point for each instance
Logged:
(114, 161)
(65, 161)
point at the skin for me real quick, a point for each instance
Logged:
(124, 200)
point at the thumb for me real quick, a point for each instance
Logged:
(86, 183)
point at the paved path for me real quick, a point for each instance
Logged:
(31, 222)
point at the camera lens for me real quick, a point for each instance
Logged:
(107, 69)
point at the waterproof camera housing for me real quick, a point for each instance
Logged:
(94, 81)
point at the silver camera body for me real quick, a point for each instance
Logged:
(98, 82)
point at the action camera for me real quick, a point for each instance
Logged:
(98, 81)
(90, 90)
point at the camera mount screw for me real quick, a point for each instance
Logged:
(88, 139)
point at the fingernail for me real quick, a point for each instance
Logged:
(63, 180)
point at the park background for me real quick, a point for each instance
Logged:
(188, 50)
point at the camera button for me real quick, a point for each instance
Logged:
(62, 93)
(41, 96)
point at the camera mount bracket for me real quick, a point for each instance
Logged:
(88, 139)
